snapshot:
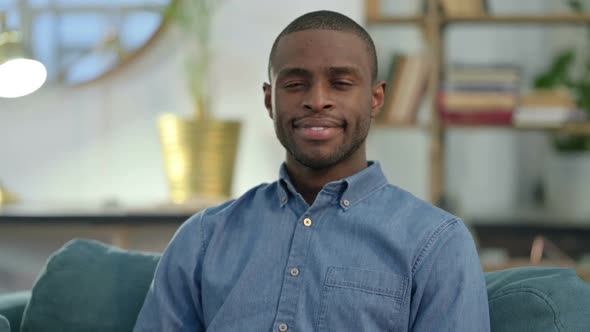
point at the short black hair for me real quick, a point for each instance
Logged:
(327, 20)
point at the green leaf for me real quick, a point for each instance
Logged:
(575, 5)
(571, 143)
(558, 72)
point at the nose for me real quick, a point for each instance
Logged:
(318, 99)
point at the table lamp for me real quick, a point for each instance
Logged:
(19, 74)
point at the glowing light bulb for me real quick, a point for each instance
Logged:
(20, 77)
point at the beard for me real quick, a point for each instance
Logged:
(319, 160)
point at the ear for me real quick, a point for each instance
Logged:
(378, 98)
(267, 89)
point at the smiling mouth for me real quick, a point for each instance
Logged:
(317, 123)
(317, 130)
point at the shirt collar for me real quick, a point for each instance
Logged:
(353, 188)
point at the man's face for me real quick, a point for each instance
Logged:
(322, 96)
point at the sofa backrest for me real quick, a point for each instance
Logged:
(4, 325)
(12, 306)
(90, 286)
(538, 299)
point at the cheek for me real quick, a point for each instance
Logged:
(364, 106)
(278, 117)
(282, 106)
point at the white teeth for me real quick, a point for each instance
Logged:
(317, 128)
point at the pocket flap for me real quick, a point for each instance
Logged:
(384, 283)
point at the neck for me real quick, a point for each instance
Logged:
(309, 182)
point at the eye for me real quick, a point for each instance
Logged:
(341, 84)
(293, 85)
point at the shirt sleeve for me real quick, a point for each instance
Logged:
(173, 302)
(449, 291)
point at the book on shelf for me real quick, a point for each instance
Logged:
(372, 9)
(546, 117)
(393, 80)
(477, 87)
(478, 101)
(494, 74)
(548, 98)
(464, 7)
(406, 86)
(547, 108)
(483, 118)
(479, 94)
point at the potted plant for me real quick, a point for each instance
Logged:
(567, 171)
(199, 151)
(6, 197)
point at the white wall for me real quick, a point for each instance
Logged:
(99, 142)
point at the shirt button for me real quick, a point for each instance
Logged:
(307, 222)
(294, 271)
(346, 203)
(283, 327)
(284, 199)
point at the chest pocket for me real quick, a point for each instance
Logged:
(361, 300)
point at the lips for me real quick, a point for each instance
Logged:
(317, 123)
(317, 129)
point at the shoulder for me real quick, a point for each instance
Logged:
(194, 234)
(431, 227)
(214, 214)
(255, 196)
(413, 211)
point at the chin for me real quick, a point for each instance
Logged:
(317, 162)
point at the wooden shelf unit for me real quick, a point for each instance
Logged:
(433, 23)
(579, 129)
(487, 19)
(421, 126)
(520, 19)
(397, 20)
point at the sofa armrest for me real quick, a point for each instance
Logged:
(12, 306)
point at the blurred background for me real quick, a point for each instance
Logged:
(148, 111)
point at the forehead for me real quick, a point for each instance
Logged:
(317, 49)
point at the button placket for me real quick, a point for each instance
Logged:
(291, 289)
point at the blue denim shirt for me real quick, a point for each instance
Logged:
(366, 256)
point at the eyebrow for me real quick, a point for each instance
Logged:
(332, 71)
(295, 71)
(337, 71)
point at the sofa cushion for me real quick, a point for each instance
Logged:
(4, 325)
(89, 286)
(538, 299)
(12, 306)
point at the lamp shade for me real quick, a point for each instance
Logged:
(19, 75)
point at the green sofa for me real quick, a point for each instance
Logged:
(90, 286)
(4, 324)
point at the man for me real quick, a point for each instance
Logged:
(330, 246)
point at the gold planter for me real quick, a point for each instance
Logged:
(6, 197)
(199, 156)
